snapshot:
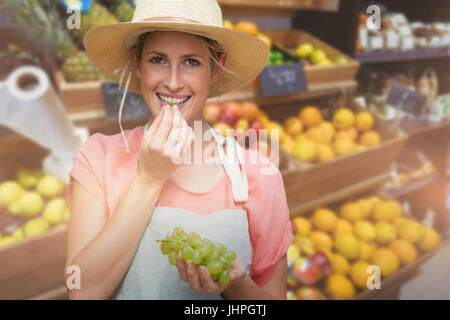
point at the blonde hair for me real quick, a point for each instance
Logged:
(216, 51)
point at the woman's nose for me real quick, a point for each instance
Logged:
(174, 81)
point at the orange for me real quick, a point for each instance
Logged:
(343, 135)
(385, 211)
(343, 147)
(288, 144)
(411, 230)
(387, 260)
(293, 126)
(328, 129)
(343, 118)
(404, 250)
(358, 274)
(305, 150)
(370, 138)
(364, 121)
(265, 38)
(352, 132)
(342, 226)
(325, 219)
(302, 225)
(325, 153)
(310, 116)
(247, 27)
(347, 245)
(339, 286)
(321, 240)
(339, 264)
(317, 135)
(351, 212)
(430, 239)
(274, 127)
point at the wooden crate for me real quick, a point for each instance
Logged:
(315, 75)
(313, 184)
(33, 265)
(79, 96)
(393, 283)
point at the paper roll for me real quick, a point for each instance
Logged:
(31, 107)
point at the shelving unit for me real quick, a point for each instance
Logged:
(392, 56)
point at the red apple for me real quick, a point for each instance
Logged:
(249, 110)
(211, 113)
(308, 293)
(222, 128)
(231, 112)
(307, 272)
(322, 261)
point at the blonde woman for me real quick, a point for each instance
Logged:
(130, 189)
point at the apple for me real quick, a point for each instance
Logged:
(249, 110)
(211, 113)
(231, 112)
(306, 271)
(304, 243)
(308, 293)
(322, 261)
(222, 127)
(257, 125)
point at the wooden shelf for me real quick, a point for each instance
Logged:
(325, 5)
(424, 128)
(402, 55)
(314, 91)
(413, 186)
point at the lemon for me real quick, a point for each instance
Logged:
(50, 186)
(411, 230)
(302, 225)
(325, 220)
(56, 211)
(35, 227)
(339, 286)
(339, 264)
(347, 245)
(385, 232)
(342, 226)
(321, 240)
(358, 273)
(343, 118)
(10, 191)
(305, 150)
(351, 212)
(364, 230)
(430, 239)
(29, 204)
(404, 250)
(385, 211)
(364, 121)
(366, 208)
(387, 260)
(366, 250)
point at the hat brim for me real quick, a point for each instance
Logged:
(247, 55)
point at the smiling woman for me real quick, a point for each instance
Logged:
(175, 52)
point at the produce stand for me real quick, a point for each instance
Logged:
(33, 268)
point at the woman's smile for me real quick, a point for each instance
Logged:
(180, 100)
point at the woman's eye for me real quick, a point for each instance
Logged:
(156, 60)
(192, 62)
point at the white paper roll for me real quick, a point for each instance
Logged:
(30, 106)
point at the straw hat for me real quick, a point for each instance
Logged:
(108, 45)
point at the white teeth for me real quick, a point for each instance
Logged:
(172, 100)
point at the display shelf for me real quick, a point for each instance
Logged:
(402, 55)
(413, 186)
(314, 91)
(425, 128)
(326, 5)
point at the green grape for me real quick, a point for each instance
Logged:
(177, 246)
(186, 253)
(224, 277)
(173, 258)
(215, 277)
(205, 250)
(197, 243)
(214, 256)
(229, 255)
(194, 235)
(196, 256)
(221, 247)
(214, 267)
(226, 266)
(165, 247)
(178, 230)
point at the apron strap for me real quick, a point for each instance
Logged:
(233, 163)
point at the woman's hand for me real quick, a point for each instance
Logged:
(201, 280)
(164, 145)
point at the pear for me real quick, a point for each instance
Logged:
(35, 227)
(50, 186)
(10, 191)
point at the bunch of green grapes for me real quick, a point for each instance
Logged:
(201, 251)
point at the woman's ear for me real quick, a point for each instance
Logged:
(217, 72)
(134, 63)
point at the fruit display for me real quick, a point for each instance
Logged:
(250, 28)
(311, 137)
(31, 204)
(201, 251)
(360, 232)
(309, 54)
(278, 57)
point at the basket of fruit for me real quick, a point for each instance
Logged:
(369, 240)
(33, 218)
(339, 149)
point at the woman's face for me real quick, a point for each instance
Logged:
(175, 68)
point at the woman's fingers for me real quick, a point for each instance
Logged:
(193, 278)
(181, 266)
(162, 132)
(154, 125)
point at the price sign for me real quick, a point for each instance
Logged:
(134, 106)
(405, 99)
(283, 79)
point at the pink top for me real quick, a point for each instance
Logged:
(104, 169)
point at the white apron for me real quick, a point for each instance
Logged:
(150, 276)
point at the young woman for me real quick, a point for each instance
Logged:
(129, 190)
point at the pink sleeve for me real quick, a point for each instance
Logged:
(87, 170)
(269, 224)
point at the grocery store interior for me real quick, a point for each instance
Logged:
(357, 91)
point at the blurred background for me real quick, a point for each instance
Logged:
(359, 92)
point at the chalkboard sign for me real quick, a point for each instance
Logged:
(405, 99)
(134, 107)
(283, 79)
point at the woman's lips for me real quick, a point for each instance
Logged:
(180, 106)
